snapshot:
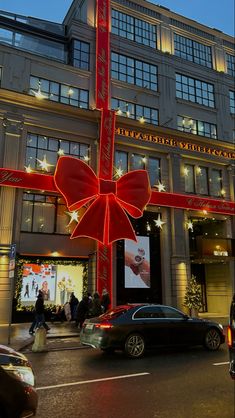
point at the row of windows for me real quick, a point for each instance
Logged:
(78, 52)
(196, 127)
(58, 92)
(197, 180)
(135, 29)
(134, 71)
(192, 51)
(42, 152)
(134, 111)
(196, 91)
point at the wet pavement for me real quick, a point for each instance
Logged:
(60, 336)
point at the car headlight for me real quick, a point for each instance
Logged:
(23, 373)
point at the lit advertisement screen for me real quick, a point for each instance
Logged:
(137, 263)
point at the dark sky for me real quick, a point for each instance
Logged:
(217, 14)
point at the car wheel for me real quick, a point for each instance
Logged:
(212, 339)
(134, 346)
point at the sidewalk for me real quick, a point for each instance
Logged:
(20, 337)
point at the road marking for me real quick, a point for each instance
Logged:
(220, 364)
(92, 381)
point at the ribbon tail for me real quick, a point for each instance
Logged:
(92, 224)
(119, 224)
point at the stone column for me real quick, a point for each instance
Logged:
(180, 262)
(12, 130)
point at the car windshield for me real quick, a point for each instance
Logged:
(115, 313)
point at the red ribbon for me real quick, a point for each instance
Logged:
(105, 220)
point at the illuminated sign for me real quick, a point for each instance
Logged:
(172, 142)
(221, 253)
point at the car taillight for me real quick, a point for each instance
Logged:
(229, 336)
(104, 326)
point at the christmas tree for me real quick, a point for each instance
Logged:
(193, 295)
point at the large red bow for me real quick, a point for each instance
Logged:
(105, 219)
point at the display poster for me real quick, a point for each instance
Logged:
(69, 279)
(38, 277)
(56, 282)
(137, 263)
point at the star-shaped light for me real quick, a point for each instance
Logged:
(28, 169)
(141, 119)
(73, 216)
(186, 171)
(86, 158)
(119, 112)
(44, 165)
(38, 94)
(60, 152)
(118, 172)
(190, 225)
(160, 187)
(159, 222)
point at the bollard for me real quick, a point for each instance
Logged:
(40, 340)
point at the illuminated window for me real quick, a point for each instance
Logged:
(196, 91)
(134, 29)
(45, 214)
(216, 183)
(134, 111)
(58, 92)
(196, 127)
(202, 180)
(39, 146)
(123, 160)
(192, 50)
(189, 178)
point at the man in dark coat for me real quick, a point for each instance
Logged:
(82, 311)
(39, 314)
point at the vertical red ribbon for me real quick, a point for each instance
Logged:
(105, 171)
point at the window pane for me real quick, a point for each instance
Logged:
(189, 178)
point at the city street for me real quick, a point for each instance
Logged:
(187, 383)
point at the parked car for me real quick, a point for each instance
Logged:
(231, 339)
(18, 397)
(136, 327)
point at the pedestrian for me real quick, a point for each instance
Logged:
(95, 308)
(39, 312)
(73, 301)
(105, 300)
(26, 293)
(67, 311)
(82, 311)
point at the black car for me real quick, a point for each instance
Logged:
(18, 397)
(133, 328)
(231, 339)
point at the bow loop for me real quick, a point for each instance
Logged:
(105, 219)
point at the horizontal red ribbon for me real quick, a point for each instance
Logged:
(35, 181)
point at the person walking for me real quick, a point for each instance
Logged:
(82, 311)
(39, 318)
(95, 308)
(105, 300)
(73, 301)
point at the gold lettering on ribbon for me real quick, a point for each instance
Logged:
(7, 176)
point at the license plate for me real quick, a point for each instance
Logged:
(89, 326)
